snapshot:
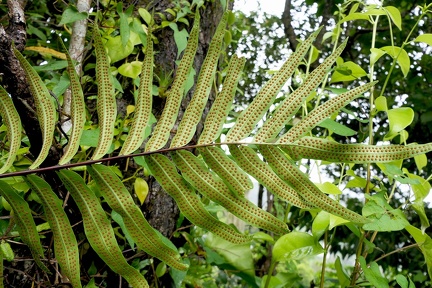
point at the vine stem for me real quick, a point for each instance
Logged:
(424, 10)
(371, 140)
(397, 251)
(269, 274)
(324, 262)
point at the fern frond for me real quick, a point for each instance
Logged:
(250, 162)
(322, 149)
(196, 173)
(143, 106)
(188, 201)
(65, 243)
(292, 103)
(288, 170)
(120, 200)
(98, 228)
(45, 108)
(255, 111)
(235, 178)
(193, 113)
(24, 223)
(78, 114)
(106, 102)
(12, 121)
(166, 122)
(217, 115)
(321, 112)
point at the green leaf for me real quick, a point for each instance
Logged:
(145, 15)
(399, 119)
(295, 245)
(401, 56)
(337, 128)
(402, 281)
(387, 223)
(263, 236)
(425, 244)
(323, 149)
(180, 38)
(71, 14)
(329, 188)
(131, 69)
(218, 113)
(124, 25)
(343, 278)
(421, 191)
(348, 71)
(162, 131)
(116, 50)
(421, 161)
(425, 38)
(143, 104)
(320, 224)
(297, 179)
(238, 256)
(376, 53)
(177, 275)
(354, 16)
(6, 251)
(90, 137)
(161, 269)
(290, 105)
(373, 274)
(77, 114)
(395, 15)
(141, 189)
(385, 218)
(381, 103)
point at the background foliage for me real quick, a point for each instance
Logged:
(213, 261)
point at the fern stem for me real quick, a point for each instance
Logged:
(326, 250)
(269, 274)
(402, 46)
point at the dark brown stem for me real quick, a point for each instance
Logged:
(288, 28)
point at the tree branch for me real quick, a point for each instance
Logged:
(76, 51)
(288, 28)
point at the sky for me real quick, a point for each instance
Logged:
(274, 7)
